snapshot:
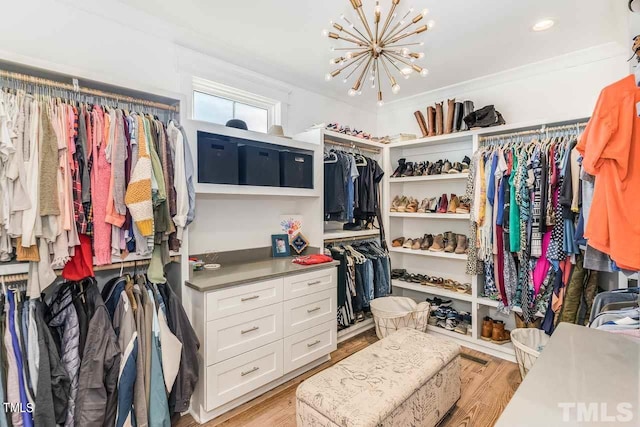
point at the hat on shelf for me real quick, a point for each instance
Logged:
(236, 123)
(277, 130)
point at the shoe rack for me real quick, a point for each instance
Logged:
(453, 147)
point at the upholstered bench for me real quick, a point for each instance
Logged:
(406, 379)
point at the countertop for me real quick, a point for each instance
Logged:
(580, 370)
(240, 273)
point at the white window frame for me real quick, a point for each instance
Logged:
(273, 107)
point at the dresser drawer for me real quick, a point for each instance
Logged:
(308, 283)
(238, 299)
(307, 346)
(232, 378)
(311, 310)
(242, 332)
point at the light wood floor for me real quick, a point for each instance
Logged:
(486, 390)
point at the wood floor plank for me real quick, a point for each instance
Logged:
(486, 390)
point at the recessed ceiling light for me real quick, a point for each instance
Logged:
(543, 25)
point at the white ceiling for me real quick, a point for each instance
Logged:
(472, 38)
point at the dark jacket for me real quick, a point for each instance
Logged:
(53, 381)
(180, 326)
(96, 404)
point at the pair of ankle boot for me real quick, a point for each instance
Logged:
(494, 331)
(449, 242)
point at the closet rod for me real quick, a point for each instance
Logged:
(353, 239)
(543, 129)
(87, 91)
(12, 278)
(352, 146)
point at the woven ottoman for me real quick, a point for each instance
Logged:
(406, 379)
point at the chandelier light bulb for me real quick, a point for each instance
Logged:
(380, 103)
(349, 55)
(411, 10)
(431, 23)
(325, 33)
(406, 71)
(395, 88)
(344, 80)
(404, 52)
(424, 72)
(352, 92)
(401, 23)
(359, 92)
(420, 55)
(328, 77)
(425, 12)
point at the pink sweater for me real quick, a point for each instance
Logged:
(100, 179)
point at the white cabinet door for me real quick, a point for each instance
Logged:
(232, 378)
(307, 346)
(238, 299)
(308, 283)
(310, 310)
(242, 332)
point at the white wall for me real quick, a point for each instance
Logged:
(557, 89)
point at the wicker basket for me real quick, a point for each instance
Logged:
(529, 343)
(393, 313)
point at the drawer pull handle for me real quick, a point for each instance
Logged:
(250, 298)
(255, 368)
(246, 331)
(311, 310)
(317, 282)
(316, 342)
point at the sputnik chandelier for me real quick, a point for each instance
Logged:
(378, 52)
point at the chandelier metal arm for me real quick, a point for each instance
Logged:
(353, 61)
(342, 29)
(389, 18)
(336, 36)
(399, 58)
(389, 76)
(358, 82)
(360, 62)
(393, 34)
(417, 31)
(353, 26)
(363, 18)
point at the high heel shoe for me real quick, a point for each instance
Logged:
(402, 166)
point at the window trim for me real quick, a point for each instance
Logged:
(208, 87)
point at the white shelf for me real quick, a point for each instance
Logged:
(436, 140)
(345, 234)
(356, 329)
(441, 177)
(429, 253)
(429, 215)
(353, 140)
(451, 334)
(488, 302)
(255, 190)
(432, 290)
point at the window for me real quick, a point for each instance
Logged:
(216, 103)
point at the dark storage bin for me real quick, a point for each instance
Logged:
(259, 166)
(296, 170)
(217, 159)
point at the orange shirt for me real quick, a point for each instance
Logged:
(610, 146)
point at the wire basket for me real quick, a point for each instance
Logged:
(393, 313)
(528, 343)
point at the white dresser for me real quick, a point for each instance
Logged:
(257, 335)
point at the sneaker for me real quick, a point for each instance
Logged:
(451, 324)
(437, 302)
(441, 324)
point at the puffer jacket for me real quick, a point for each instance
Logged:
(66, 322)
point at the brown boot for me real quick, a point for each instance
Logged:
(520, 323)
(461, 244)
(500, 335)
(416, 244)
(454, 203)
(421, 122)
(451, 242)
(487, 329)
(431, 119)
(438, 244)
(451, 107)
(427, 241)
(439, 118)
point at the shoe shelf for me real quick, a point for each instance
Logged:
(431, 290)
(420, 252)
(351, 140)
(347, 234)
(429, 215)
(441, 177)
(450, 334)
